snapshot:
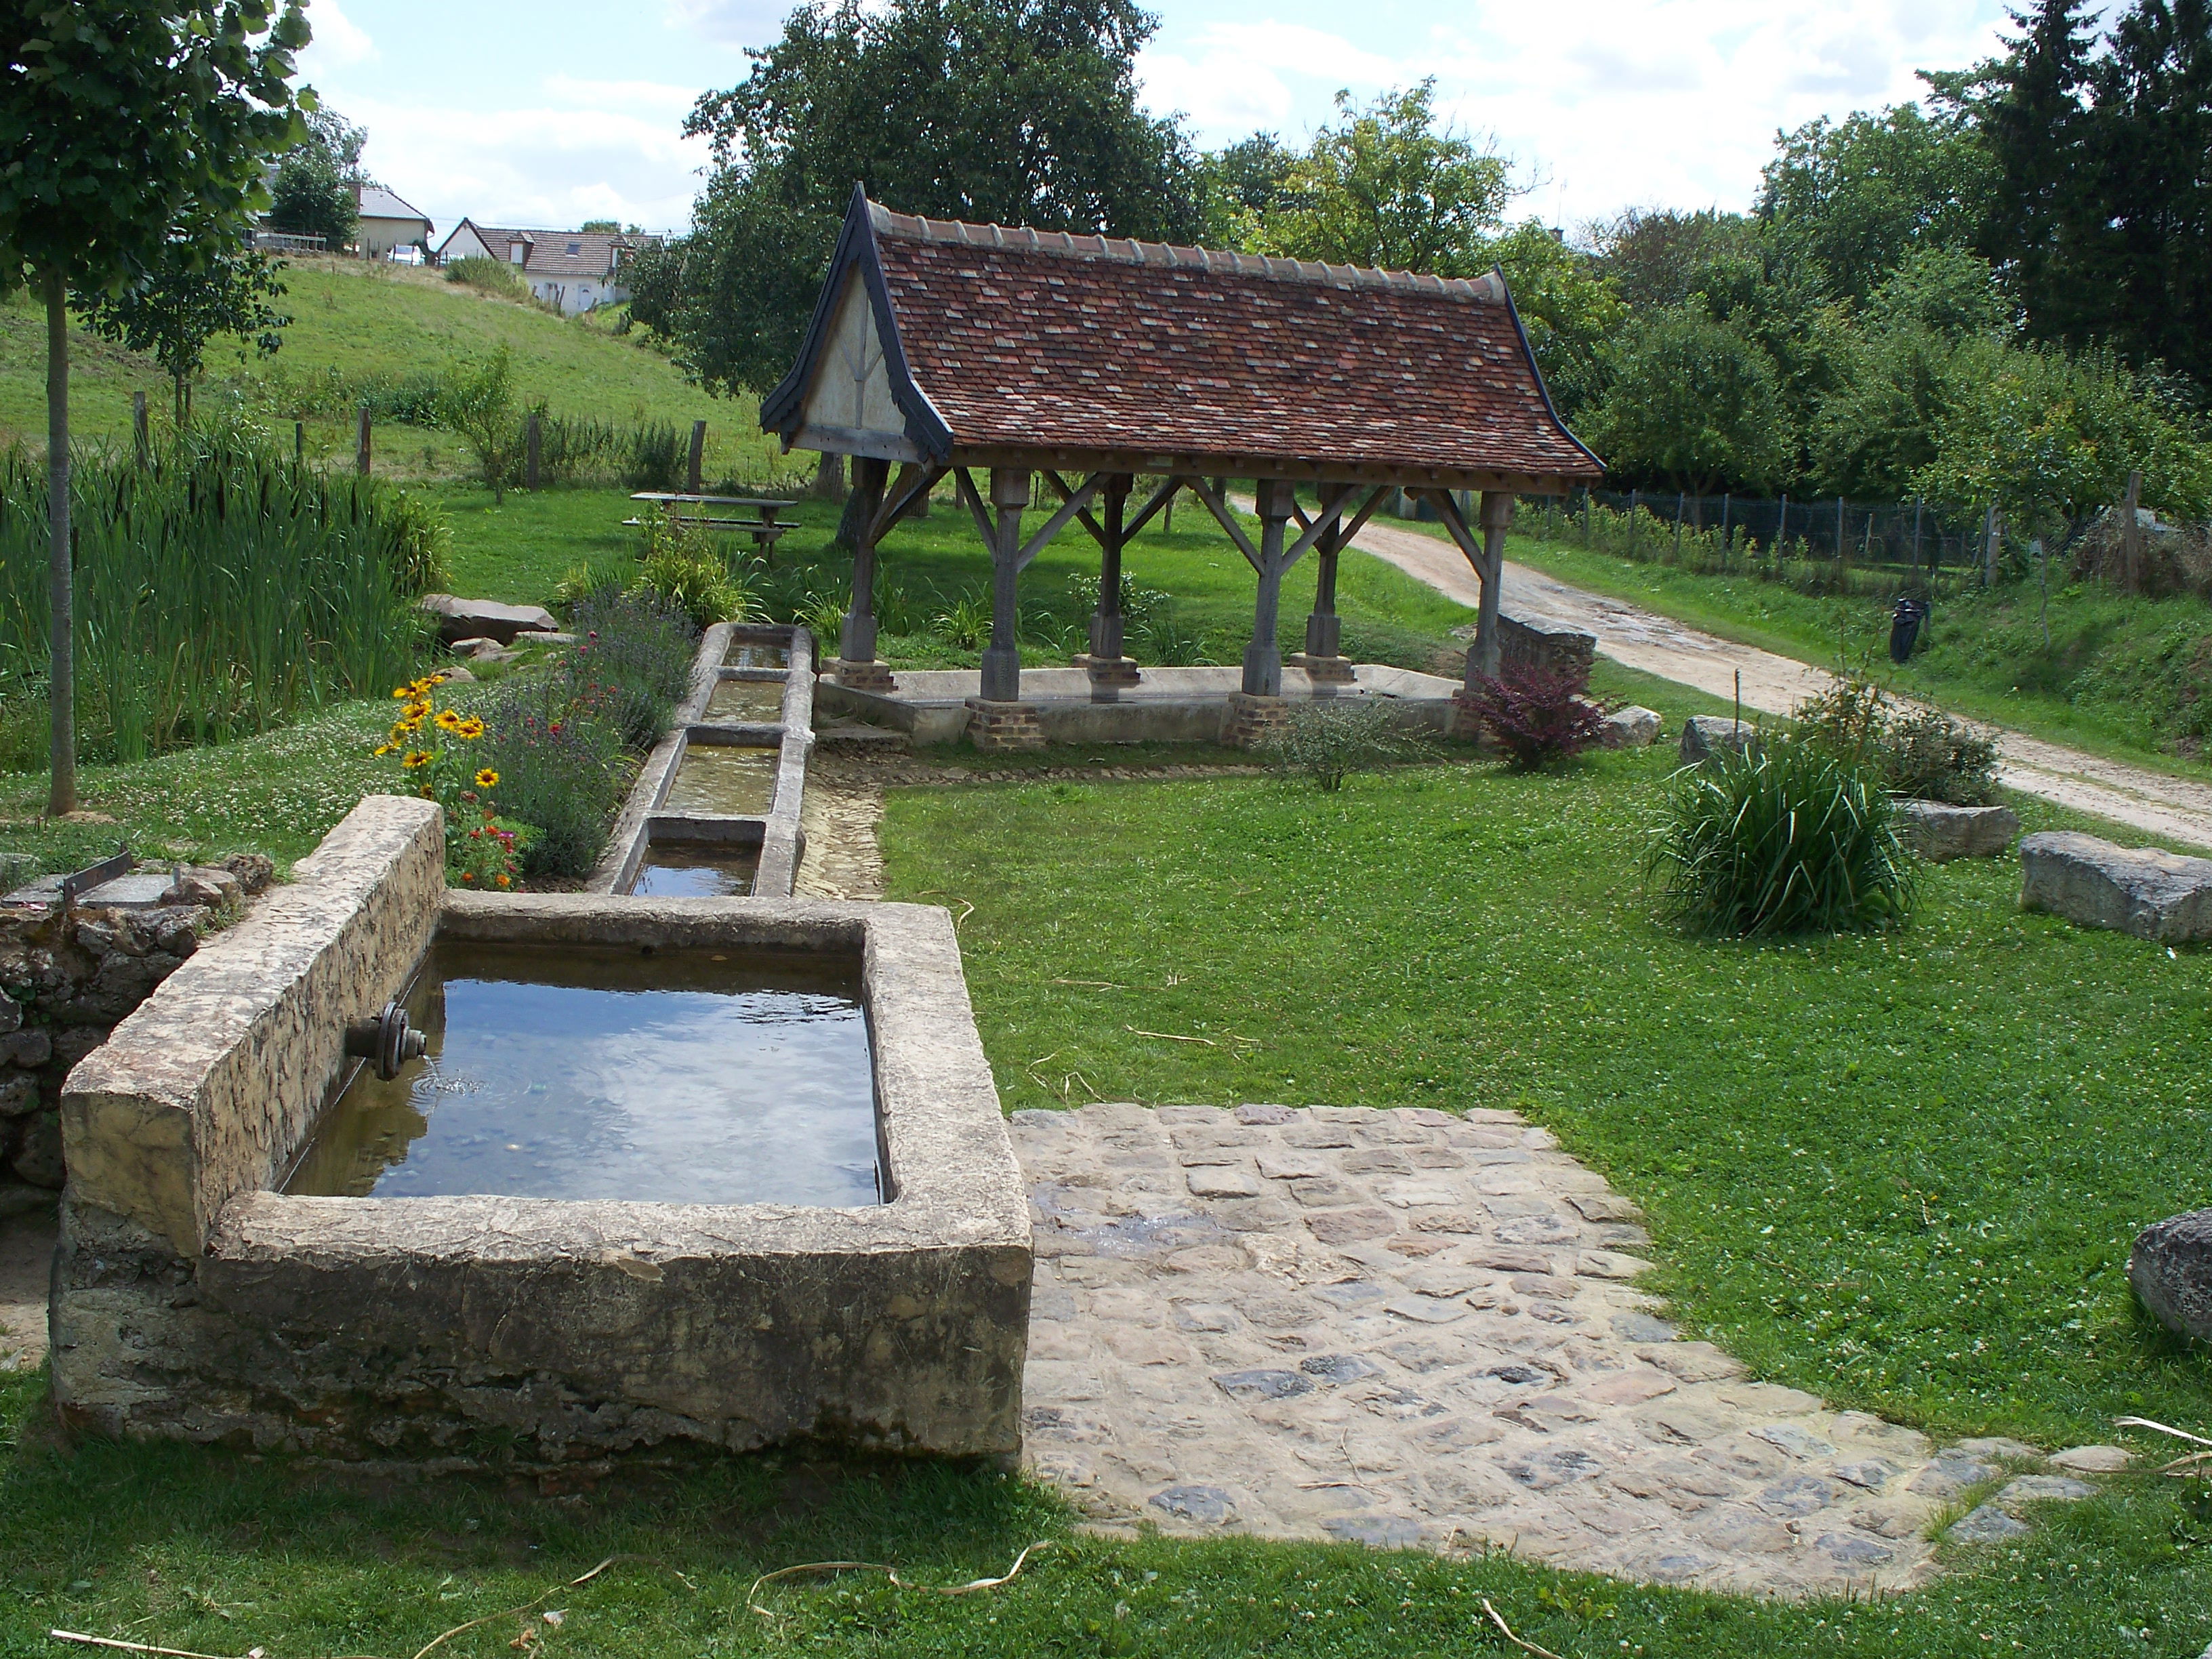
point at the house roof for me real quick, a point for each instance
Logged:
(378, 203)
(557, 253)
(1020, 340)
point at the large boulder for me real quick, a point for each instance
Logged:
(2171, 1267)
(463, 619)
(1939, 833)
(2139, 891)
(1705, 736)
(1633, 728)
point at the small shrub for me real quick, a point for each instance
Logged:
(1538, 717)
(1329, 740)
(1922, 754)
(656, 456)
(477, 404)
(561, 769)
(1788, 839)
(1166, 641)
(966, 623)
(697, 584)
(633, 663)
(488, 276)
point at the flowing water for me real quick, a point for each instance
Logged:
(589, 1073)
(684, 872)
(715, 781)
(743, 655)
(756, 702)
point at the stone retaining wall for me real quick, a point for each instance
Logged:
(68, 976)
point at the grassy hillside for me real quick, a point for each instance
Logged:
(354, 322)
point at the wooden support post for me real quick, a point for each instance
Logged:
(299, 443)
(696, 472)
(1108, 663)
(1323, 657)
(856, 647)
(361, 445)
(1496, 519)
(142, 440)
(1002, 657)
(1263, 657)
(533, 450)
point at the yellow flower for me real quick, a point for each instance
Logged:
(470, 727)
(384, 749)
(437, 679)
(418, 709)
(404, 692)
(415, 757)
(447, 719)
(406, 728)
(487, 779)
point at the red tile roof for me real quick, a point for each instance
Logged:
(1029, 340)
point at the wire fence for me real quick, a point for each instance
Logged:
(1832, 546)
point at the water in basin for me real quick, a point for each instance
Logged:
(758, 702)
(716, 780)
(747, 654)
(680, 872)
(584, 1072)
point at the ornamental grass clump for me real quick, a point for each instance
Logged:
(1786, 840)
(1327, 741)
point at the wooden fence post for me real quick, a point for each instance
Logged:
(1992, 530)
(142, 439)
(299, 443)
(1681, 500)
(533, 448)
(698, 454)
(361, 445)
(1727, 502)
(2131, 536)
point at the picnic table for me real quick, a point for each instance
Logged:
(728, 513)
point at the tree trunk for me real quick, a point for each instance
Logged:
(61, 678)
(829, 478)
(177, 411)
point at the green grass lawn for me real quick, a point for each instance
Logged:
(1437, 935)
(366, 319)
(2121, 675)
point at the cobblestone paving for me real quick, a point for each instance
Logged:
(1406, 1327)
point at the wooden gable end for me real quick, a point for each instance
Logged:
(848, 405)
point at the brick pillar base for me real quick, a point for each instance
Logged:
(871, 676)
(1109, 671)
(1252, 720)
(1003, 725)
(1466, 721)
(1323, 671)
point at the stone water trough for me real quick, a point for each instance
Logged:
(730, 1171)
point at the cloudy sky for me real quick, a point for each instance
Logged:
(555, 112)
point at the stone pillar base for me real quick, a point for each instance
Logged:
(1109, 671)
(1323, 671)
(992, 725)
(871, 676)
(1466, 719)
(1253, 721)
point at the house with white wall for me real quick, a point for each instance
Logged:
(572, 271)
(387, 222)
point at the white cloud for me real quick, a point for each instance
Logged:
(338, 42)
(736, 22)
(655, 98)
(1603, 104)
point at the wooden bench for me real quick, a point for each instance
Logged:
(764, 527)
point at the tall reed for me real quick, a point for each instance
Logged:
(221, 590)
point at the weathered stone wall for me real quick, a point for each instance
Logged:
(1546, 647)
(69, 976)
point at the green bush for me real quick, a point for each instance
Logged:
(632, 662)
(560, 768)
(1921, 754)
(488, 276)
(1789, 839)
(1329, 740)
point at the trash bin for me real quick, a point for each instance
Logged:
(1904, 621)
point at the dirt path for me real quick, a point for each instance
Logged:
(2172, 809)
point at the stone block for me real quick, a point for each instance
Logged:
(1252, 722)
(1633, 728)
(1705, 736)
(2093, 1459)
(2171, 1268)
(1939, 833)
(466, 619)
(2143, 892)
(1526, 643)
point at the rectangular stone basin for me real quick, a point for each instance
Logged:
(681, 1077)
(724, 780)
(674, 871)
(747, 702)
(744, 652)
(558, 1314)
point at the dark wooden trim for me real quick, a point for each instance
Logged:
(1058, 522)
(1268, 466)
(848, 440)
(1161, 497)
(1062, 488)
(909, 494)
(1216, 506)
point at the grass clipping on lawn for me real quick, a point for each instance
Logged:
(1780, 838)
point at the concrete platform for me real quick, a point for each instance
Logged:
(1166, 705)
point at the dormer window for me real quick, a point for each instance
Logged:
(574, 248)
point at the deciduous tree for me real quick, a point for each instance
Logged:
(203, 285)
(121, 119)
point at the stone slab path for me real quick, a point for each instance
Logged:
(2174, 809)
(1410, 1328)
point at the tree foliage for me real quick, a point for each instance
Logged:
(1694, 402)
(203, 286)
(314, 192)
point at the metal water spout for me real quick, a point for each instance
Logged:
(387, 1042)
